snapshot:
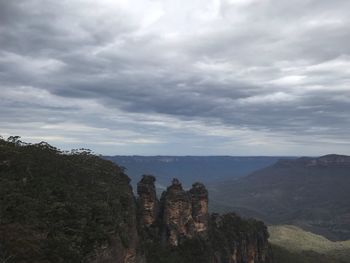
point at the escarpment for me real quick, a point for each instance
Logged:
(77, 207)
(187, 233)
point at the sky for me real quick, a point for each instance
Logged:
(185, 77)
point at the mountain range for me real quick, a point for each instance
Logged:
(190, 169)
(309, 192)
(312, 193)
(304, 200)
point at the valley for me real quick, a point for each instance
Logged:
(305, 200)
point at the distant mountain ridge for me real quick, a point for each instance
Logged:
(313, 193)
(192, 168)
(330, 160)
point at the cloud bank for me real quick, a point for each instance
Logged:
(229, 77)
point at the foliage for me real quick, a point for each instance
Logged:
(190, 251)
(57, 206)
(225, 232)
(283, 255)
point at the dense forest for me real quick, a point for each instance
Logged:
(58, 206)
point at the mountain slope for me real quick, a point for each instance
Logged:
(313, 193)
(296, 240)
(58, 207)
(283, 255)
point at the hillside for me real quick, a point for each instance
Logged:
(75, 207)
(313, 193)
(283, 255)
(61, 207)
(306, 245)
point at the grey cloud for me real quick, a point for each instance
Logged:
(223, 75)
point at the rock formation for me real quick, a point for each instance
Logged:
(148, 201)
(177, 213)
(199, 201)
(183, 216)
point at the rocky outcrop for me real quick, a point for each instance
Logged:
(183, 217)
(200, 214)
(177, 213)
(147, 201)
(183, 214)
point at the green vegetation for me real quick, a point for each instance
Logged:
(292, 244)
(190, 251)
(282, 255)
(226, 232)
(57, 206)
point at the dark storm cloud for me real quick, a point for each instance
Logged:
(264, 66)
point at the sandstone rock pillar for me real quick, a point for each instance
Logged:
(148, 202)
(200, 214)
(177, 213)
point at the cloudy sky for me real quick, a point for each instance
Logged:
(185, 77)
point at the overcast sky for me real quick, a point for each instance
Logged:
(184, 77)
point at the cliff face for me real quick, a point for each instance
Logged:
(124, 247)
(192, 235)
(330, 161)
(236, 240)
